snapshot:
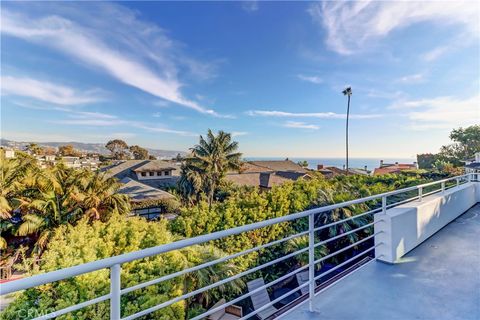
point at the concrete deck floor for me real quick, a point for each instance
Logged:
(440, 279)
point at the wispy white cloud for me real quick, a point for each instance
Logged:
(353, 25)
(250, 6)
(239, 133)
(311, 79)
(412, 78)
(322, 115)
(47, 91)
(435, 53)
(134, 52)
(98, 119)
(300, 125)
(441, 112)
(155, 128)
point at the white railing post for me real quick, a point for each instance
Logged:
(443, 187)
(115, 311)
(311, 260)
(420, 194)
(384, 204)
(469, 178)
(458, 181)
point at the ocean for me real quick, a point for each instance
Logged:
(360, 163)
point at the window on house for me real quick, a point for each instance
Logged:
(144, 174)
(151, 174)
(166, 173)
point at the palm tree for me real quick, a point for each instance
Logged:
(206, 276)
(210, 160)
(347, 92)
(97, 196)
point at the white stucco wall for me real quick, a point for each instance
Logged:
(408, 225)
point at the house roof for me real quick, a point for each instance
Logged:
(264, 179)
(123, 169)
(473, 165)
(155, 165)
(139, 192)
(275, 165)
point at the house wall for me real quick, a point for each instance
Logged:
(155, 176)
(408, 225)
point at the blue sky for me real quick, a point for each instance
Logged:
(158, 74)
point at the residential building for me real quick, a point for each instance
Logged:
(473, 165)
(390, 168)
(159, 174)
(9, 154)
(71, 162)
(266, 174)
(140, 193)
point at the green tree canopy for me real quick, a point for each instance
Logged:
(118, 149)
(139, 153)
(68, 150)
(204, 170)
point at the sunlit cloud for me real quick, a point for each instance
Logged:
(300, 125)
(47, 91)
(352, 26)
(311, 79)
(412, 78)
(322, 115)
(118, 44)
(441, 112)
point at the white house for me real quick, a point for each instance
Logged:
(473, 165)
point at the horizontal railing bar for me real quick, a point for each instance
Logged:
(210, 263)
(271, 303)
(248, 294)
(346, 261)
(346, 219)
(346, 233)
(73, 308)
(62, 274)
(346, 248)
(211, 286)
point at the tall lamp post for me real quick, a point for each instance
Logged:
(347, 92)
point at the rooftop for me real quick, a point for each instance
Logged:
(138, 191)
(440, 279)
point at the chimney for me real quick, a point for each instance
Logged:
(319, 166)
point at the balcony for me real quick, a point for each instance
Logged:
(440, 279)
(420, 260)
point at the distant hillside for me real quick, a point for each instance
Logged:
(86, 147)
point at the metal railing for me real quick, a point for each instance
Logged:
(115, 263)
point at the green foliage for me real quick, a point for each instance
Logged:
(206, 167)
(139, 153)
(44, 199)
(166, 205)
(85, 242)
(466, 142)
(118, 149)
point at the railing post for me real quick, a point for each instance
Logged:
(469, 177)
(443, 187)
(311, 260)
(420, 194)
(458, 181)
(115, 311)
(384, 204)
